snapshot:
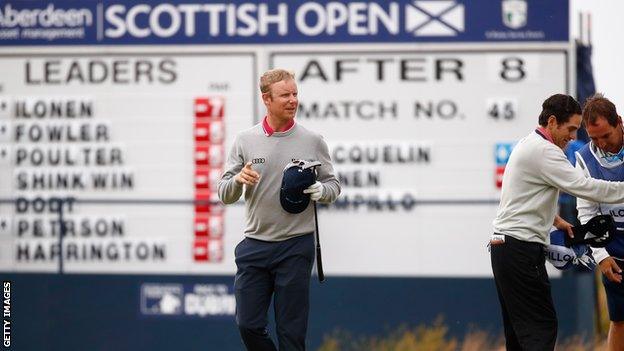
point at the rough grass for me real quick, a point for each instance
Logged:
(435, 338)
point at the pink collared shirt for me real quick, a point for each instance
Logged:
(545, 133)
(268, 131)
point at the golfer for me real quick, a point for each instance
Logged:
(275, 259)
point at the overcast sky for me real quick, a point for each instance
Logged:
(608, 42)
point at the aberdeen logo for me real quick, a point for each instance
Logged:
(514, 13)
(47, 17)
(435, 18)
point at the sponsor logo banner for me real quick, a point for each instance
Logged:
(247, 22)
(187, 300)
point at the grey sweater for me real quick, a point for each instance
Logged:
(536, 170)
(266, 219)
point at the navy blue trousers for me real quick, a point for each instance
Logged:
(615, 297)
(273, 269)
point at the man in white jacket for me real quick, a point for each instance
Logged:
(602, 159)
(536, 171)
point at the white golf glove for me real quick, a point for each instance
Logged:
(315, 190)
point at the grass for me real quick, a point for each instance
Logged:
(435, 338)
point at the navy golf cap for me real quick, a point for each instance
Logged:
(597, 232)
(298, 175)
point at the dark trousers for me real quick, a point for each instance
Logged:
(273, 269)
(524, 294)
(615, 296)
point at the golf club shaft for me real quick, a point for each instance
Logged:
(319, 260)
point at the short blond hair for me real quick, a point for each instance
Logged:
(273, 76)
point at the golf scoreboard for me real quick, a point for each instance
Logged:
(116, 118)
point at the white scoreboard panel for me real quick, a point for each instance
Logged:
(134, 139)
(415, 136)
(418, 138)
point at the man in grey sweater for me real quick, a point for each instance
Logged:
(276, 256)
